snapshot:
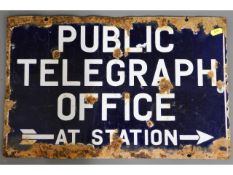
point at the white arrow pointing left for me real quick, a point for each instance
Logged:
(30, 134)
(201, 137)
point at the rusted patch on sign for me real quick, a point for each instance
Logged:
(90, 99)
(193, 23)
(56, 54)
(41, 46)
(218, 150)
(165, 86)
(117, 53)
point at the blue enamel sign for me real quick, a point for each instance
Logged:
(127, 87)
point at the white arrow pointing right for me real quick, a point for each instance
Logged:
(201, 137)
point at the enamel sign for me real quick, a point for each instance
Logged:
(125, 87)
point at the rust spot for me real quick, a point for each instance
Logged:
(90, 99)
(117, 53)
(216, 64)
(116, 142)
(150, 123)
(47, 22)
(27, 142)
(123, 22)
(126, 96)
(163, 22)
(56, 151)
(127, 50)
(187, 150)
(114, 150)
(220, 153)
(165, 86)
(9, 105)
(210, 74)
(220, 84)
(56, 54)
(162, 155)
(141, 154)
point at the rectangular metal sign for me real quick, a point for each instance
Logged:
(124, 87)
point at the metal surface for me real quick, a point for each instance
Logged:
(175, 88)
(32, 108)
